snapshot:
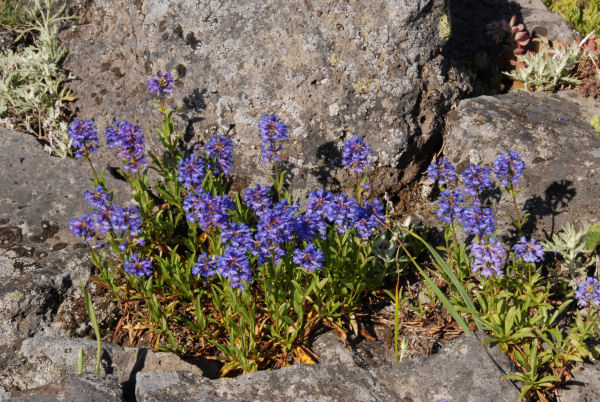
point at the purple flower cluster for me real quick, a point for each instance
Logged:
(311, 258)
(107, 217)
(509, 168)
(190, 172)
(449, 207)
(476, 178)
(238, 235)
(442, 170)
(207, 211)
(588, 292)
(100, 198)
(488, 257)
(138, 267)
(273, 132)
(529, 251)
(84, 136)
(220, 148)
(258, 198)
(206, 266)
(82, 227)
(477, 220)
(130, 140)
(161, 84)
(341, 210)
(355, 154)
(275, 226)
(233, 265)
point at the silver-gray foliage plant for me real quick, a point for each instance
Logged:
(32, 91)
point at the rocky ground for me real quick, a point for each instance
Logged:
(384, 69)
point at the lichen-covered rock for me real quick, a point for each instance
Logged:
(330, 70)
(561, 150)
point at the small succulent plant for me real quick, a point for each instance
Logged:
(513, 36)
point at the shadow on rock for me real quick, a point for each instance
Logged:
(556, 198)
(194, 106)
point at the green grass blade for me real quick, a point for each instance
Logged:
(92, 314)
(80, 361)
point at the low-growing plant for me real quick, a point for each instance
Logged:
(548, 68)
(512, 296)
(247, 276)
(32, 91)
(584, 15)
(513, 38)
(12, 13)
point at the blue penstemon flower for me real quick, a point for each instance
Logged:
(99, 198)
(83, 227)
(220, 148)
(84, 136)
(273, 132)
(311, 258)
(509, 168)
(138, 267)
(443, 171)
(355, 155)
(476, 178)
(449, 207)
(588, 293)
(130, 140)
(190, 171)
(529, 251)
(488, 257)
(161, 84)
(477, 220)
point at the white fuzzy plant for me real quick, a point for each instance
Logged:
(547, 69)
(32, 91)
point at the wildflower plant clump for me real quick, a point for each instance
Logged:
(246, 277)
(505, 289)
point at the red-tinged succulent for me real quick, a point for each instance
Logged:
(514, 38)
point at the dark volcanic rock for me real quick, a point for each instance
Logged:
(330, 70)
(560, 148)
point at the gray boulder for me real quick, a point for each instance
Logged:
(584, 386)
(41, 262)
(561, 150)
(463, 370)
(330, 70)
(72, 388)
(39, 360)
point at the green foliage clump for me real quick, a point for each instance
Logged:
(32, 92)
(584, 15)
(12, 13)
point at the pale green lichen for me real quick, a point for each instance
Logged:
(445, 25)
(334, 60)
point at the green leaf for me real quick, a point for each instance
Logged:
(593, 236)
(92, 315)
(80, 361)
